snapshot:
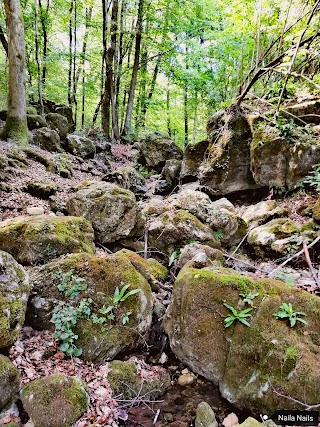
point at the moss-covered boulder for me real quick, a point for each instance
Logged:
(316, 211)
(58, 123)
(14, 292)
(193, 156)
(63, 165)
(9, 381)
(131, 379)
(174, 229)
(200, 255)
(47, 139)
(111, 209)
(80, 146)
(248, 363)
(262, 212)
(101, 277)
(128, 178)
(42, 189)
(205, 417)
(55, 401)
(35, 121)
(37, 239)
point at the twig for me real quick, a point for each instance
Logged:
(294, 256)
(307, 255)
(239, 245)
(145, 251)
(104, 248)
(243, 262)
(308, 407)
(156, 416)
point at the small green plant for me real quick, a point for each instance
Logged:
(237, 315)
(175, 255)
(313, 179)
(71, 286)
(248, 297)
(286, 311)
(285, 126)
(277, 189)
(119, 296)
(218, 234)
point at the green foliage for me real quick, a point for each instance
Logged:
(313, 179)
(241, 316)
(286, 311)
(218, 234)
(248, 297)
(66, 314)
(277, 189)
(285, 126)
(175, 255)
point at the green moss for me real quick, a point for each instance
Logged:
(16, 129)
(3, 163)
(40, 158)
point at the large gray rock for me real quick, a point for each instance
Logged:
(35, 121)
(111, 209)
(47, 139)
(9, 381)
(37, 239)
(58, 123)
(81, 146)
(205, 417)
(101, 277)
(14, 292)
(248, 363)
(55, 401)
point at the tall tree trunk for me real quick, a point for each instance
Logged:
(16, 123)
(74, 95)
(127, 123)
(70, 53)
(120, 56)
(109, 93)
(3, 40)
(39, 80)
(186, 117)
(195, 119)
(43, 14)
(168, 113)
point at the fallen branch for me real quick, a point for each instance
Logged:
(307, 255)
(294, 256)
(308, 407)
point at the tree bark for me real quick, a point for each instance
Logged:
(45, 39)
(70, 54)
(16, 123)
(132, 90)
(39, 79)
(3, 40)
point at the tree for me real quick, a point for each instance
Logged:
(16, 123)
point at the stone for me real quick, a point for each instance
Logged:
(101, 277)
(35, 210)
(251, 422)
(55, 401)
(66, 111)
(171, 171)
(247, 363)
(135, 378)
(111, 209)
(33, 240)
(316, 211)
(156, 149)
(205, 417)
(262, 211)
(192, 158)
(191, 252)
(230, 420)
(303, 156)
(14, 292)
(42, 189)
(63, 165)
(174, 229)
(80, 146)
(127, 177)
(47, 139)
(186, 379)
(58, 123)
(35, 121)
(9, 381)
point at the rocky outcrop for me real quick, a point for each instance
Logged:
(9, 381)
(55, 401)
(248, 363)
(100, 277)
(80, 146)
(14, 292)
(111, 209)
(37, 239)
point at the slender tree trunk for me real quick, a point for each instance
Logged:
(168, 113)
(16, 123)
(70, 53)
(120, 56)
(39, 80)
(43, 14)
(195, 119)
(3, 40)
(127, 123)
(186, 116)
(74, 95)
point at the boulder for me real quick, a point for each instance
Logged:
(226, 166)
(63, 165)
(37, 239)
(135, 378)
(36, 121)
(42, 189)
(101, 277)
(58, 123)
(205, 417)
(47, 139)
(308, 111)
(303, 156)
(174, 229)
(156, 149)
(200, 254)
(127, 177)
(170, 172)
(55, 401)
(316, 211)
(262, 212)
(111, 209)
(248, 363)
(14, 292)
(67, 112)
(192, 158)
(80, 146)
(9, 381)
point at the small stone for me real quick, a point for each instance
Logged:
(186, 379)
(251, 422)
(35, 210)
(168, 417)
(185, 371)
(163, 359)
(231, 420)
(205, 417)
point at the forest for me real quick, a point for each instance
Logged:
(159, 213)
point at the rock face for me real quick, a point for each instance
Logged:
(111, 209)
(80, 146)
(47, 139)
(37, 239)
(14, 292)
(156, 149)
(55, 401)
(9, 381)
(248, 363)
(101, 277)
